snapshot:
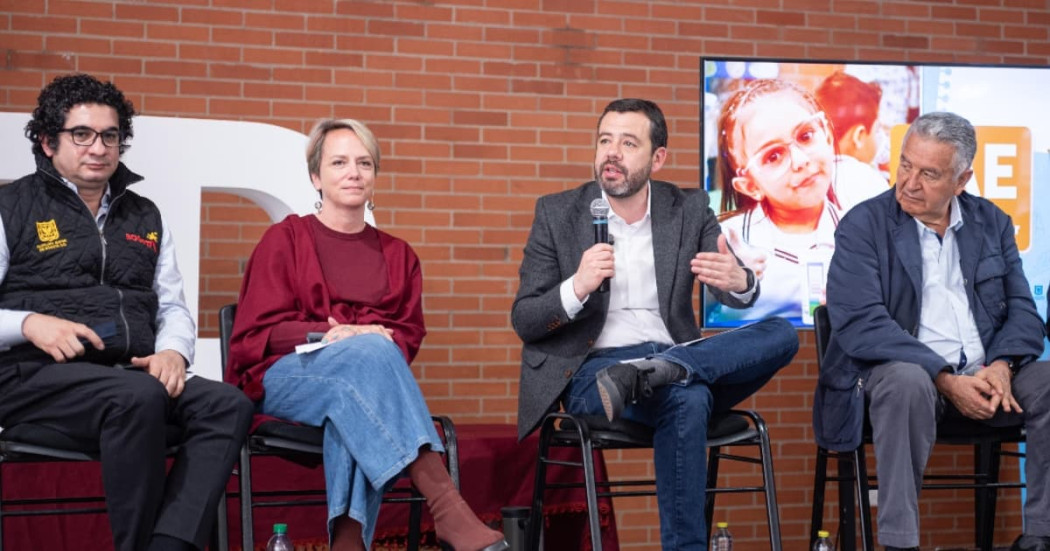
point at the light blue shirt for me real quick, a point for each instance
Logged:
(946, 323)
(175, 328)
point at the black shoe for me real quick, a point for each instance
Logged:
(622, 384)
(1031, 543)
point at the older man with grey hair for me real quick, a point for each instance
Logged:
(932, 318)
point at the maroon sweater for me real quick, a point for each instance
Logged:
(285, 293)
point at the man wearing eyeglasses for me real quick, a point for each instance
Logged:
(95, 335)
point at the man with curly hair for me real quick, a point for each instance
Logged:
(95, 336)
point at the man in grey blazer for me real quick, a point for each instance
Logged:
(579, 342)
(932, 318)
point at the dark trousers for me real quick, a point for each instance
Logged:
(128, 412)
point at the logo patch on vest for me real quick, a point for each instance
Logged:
(150, 241)
(49, 237)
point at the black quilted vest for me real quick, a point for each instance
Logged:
(62, 265)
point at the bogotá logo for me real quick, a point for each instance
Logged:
(49, 237)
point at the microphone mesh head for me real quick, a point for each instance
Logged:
(600, 208)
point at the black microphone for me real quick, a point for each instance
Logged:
(600, 220)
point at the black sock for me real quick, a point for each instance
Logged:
(663, 372)
(162, 542)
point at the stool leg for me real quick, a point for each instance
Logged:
(247, 526)
(820, 483)
(415, 516)
(1, 506)
(863, 487)
(592, 493)
(712, 482)
(535, 524)
(847, 511)
(986, 471)
(770, 486)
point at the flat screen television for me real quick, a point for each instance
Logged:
(816, 138)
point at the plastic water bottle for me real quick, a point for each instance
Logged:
(722, 540)
(823, 542)
(280, 541)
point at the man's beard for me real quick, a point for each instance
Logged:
(632, 182)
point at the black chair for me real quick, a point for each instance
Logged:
(29, 443)
(303, 444)
(589, 433)
(854, 482)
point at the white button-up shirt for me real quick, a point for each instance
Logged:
(634, 307)
(946, 323)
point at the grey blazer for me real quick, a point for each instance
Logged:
(554, 346)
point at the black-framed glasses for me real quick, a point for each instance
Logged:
(83, 135)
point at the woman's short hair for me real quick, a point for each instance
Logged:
(315, 144)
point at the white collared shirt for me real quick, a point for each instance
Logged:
(634, 306)
(946, 323)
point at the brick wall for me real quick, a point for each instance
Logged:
(480, 107)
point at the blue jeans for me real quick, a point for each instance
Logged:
(361, 391)
(722, 371)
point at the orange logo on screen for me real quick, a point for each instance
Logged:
(1002, 172)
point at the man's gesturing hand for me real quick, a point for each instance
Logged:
(720, 269)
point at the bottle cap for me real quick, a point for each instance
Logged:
(722, 525)
(280, 528)
(823, 534)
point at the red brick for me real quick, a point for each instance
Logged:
(209, 16)
(78, 45)
(242, 36)
(313, 6)
(979, 30)
(82, 9)
(209, 52)
(336, 25)
(571, 6)
(145, 48)
(422, 12)
(43, 24)
(276, 21)
(452, 66)
(179, 32)
(483, 118)
(144, 12)
(176, 68)
(303, 75)
(481, 16)
(40, 61)
(109, 64)
(908, 42)
(272, 56)
(395, 28)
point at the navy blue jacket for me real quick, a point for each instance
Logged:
(874, 293)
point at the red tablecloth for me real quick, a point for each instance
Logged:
(495, 471)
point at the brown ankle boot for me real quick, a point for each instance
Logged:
(456, 524)
(346, 535)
